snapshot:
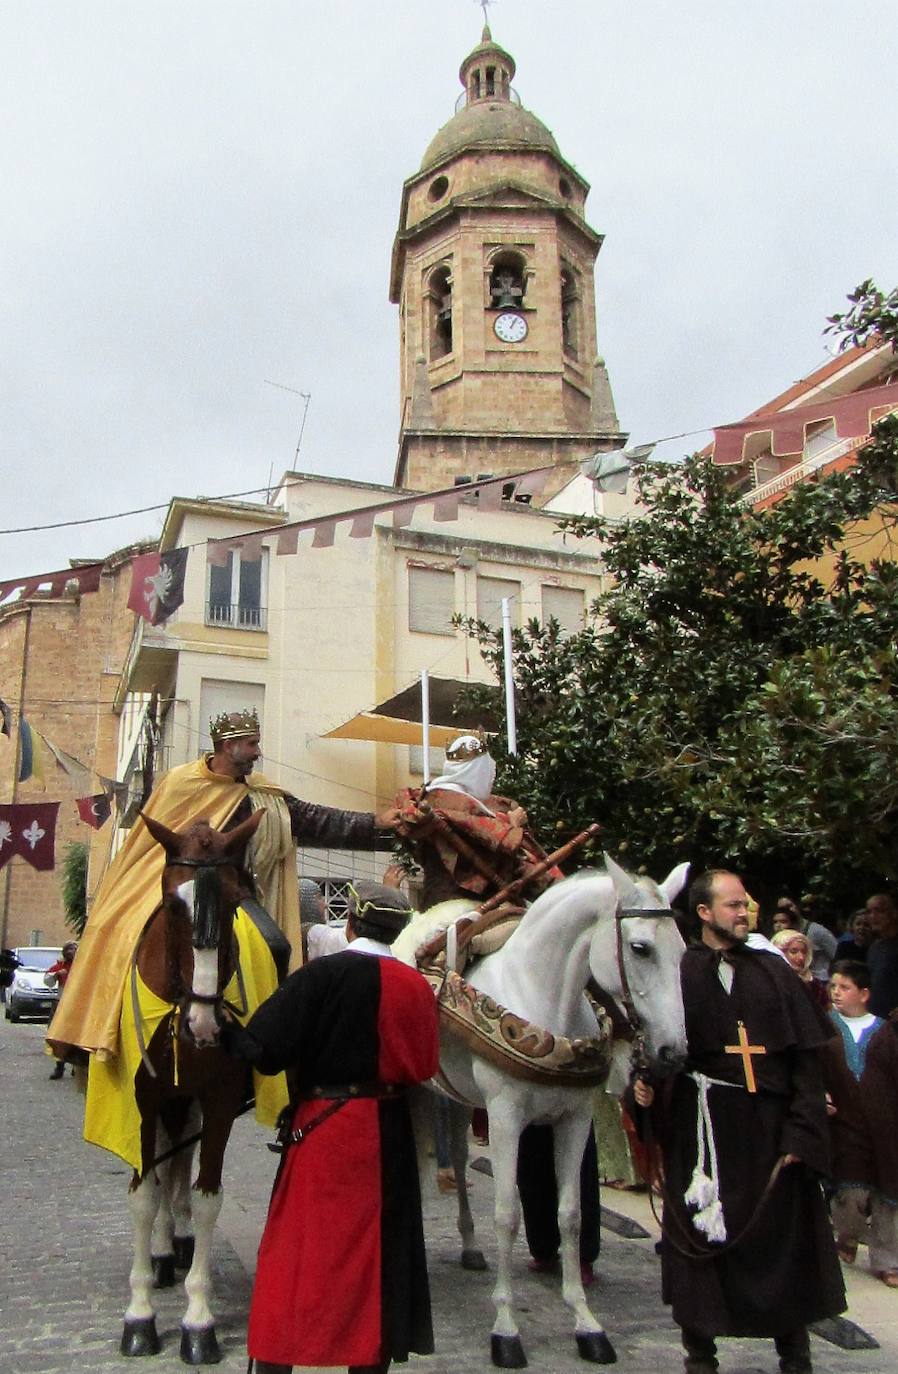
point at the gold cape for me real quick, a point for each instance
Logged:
(131, 889)
(111, 1118)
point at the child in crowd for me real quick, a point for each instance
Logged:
(858, 1208)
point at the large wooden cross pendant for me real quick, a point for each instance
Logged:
(746, 1051)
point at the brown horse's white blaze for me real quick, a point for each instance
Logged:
(186, 957)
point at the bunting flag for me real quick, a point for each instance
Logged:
(445, 507)
(115, 791)
(94, 811)
(31, 754)
(87, 577)
(72, 767)
(5, 719)
(852, 416)
(29, 830)
(157, 584)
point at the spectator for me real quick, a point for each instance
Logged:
(799, 956)
(857, 1208)
(857, 938)
(787, 916)
(55, 977)
(882, 956)
(879, 1090)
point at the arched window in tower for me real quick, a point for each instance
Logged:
(570, 312)
(507, 281)
(439, 294)
(475, 85)
(491, 80)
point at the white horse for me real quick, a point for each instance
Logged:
(591, 927)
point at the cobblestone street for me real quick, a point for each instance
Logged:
(65, 1255)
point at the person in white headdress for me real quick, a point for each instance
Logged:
(468, 841)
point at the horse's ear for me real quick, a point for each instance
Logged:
(624, 886)
(160, 833)
(674, 882)
(237, 838)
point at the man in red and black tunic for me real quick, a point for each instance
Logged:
(341, 1277)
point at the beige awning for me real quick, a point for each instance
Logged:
(390, 730)
(398, 719)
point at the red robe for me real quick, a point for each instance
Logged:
(341, 1276)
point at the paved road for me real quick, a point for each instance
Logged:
(65, 1255)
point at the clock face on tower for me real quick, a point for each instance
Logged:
(510, 327)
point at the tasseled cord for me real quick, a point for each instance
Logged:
(206, 924)
(703, 1192)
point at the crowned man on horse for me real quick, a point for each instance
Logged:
(117, 1010)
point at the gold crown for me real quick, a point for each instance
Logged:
(234, 725)
(467, 746)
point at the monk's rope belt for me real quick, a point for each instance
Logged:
(336, 1097)
(516, 1045)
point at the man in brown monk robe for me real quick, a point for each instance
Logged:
(747, 1248)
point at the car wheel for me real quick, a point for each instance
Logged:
(12, 1015)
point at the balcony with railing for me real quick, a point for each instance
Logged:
(237, 615)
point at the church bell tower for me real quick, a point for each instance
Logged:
(493, 274)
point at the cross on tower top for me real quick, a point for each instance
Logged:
(484, 5)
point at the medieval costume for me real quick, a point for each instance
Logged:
(858, 1209)
(744, 1253)
(456, 820)
(469, 843)
(879, 1093)
(341, 1277)
(130, 890)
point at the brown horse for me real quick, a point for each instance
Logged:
(186, 1084)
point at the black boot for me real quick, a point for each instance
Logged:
(794, 1350)
(701, 1352)
(58, 1069)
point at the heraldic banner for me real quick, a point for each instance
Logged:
(29, 830)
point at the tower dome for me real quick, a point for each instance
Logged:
(492, 114)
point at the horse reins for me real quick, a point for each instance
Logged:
(640, 1060)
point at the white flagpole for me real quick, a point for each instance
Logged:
(425, 723)
(511, 725)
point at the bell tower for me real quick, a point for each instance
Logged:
(493, 274)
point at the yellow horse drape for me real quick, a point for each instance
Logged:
(111, 1118)
(88, 1014)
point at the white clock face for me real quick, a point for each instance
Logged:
(510, 328)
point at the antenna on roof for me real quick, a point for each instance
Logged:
(307, 397)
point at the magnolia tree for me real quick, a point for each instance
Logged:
(728, 701)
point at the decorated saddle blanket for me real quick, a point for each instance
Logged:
(111, 1117)
(515, 1044)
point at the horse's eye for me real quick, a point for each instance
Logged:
(640, 949)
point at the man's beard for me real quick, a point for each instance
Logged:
(733, 937)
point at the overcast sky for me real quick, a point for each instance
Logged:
(200, 196)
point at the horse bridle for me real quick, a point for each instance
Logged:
(640, 1059)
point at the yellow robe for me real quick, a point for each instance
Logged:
(131, 889)
(111, 1118)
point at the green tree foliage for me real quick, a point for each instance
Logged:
(729, 701)
(74, 887)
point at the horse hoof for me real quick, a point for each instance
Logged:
(473, 1259)
(163, 1271)
(139, 1336)
(183, 1251)
(596, 1347)
(199, 1345)
(507, 1352)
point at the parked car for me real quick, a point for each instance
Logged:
(28, 994)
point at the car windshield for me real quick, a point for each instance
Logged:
(38, 959)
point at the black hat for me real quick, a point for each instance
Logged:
(385, 908)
